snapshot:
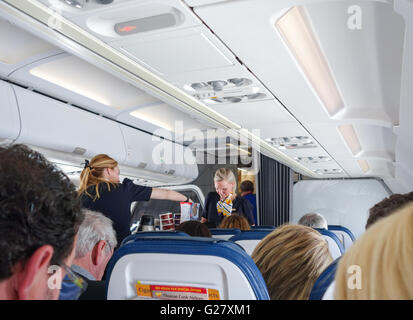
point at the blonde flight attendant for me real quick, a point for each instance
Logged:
(225, 201)
(100, 190)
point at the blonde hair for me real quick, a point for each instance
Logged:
(235, 221)
(384, 255)
(92, 174)
(290, 259)
(225, 174)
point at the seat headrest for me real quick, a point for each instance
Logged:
(251, 235)
(331, 235)
(184, 251)
(218, 231)
(262, 227)
(344, 229)
(145, 234)
(324, 281)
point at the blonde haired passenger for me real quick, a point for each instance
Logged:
(101, 190)
(235, 221)
(290, 259)
(225, 201)
(379, 265)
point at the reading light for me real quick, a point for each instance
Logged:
(217, 85)
(240, 82)
(74, 3)
(295, 142)
(200, 86)
(328, 171)
(313, 160)
(364, 165)
(297, 33)
(350, 137)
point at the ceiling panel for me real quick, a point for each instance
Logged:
(18, 48)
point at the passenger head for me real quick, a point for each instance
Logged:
(379, 264)
(225, 182)
(39, 218)
(235, 221)
(96, 241)
(290, 259)
(387, 206)
(313, 220)
(194, 229)
(246, 187)
(101, 168)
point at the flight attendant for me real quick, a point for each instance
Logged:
(225, 201)
(101, 190)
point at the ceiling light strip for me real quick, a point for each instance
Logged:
(364, 165)
(300, 39)
(91, 49)
(128, 68)
(350, 137)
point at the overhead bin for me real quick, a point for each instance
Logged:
(19, 48)
(148, 152)
(52, 124)
(9, 119)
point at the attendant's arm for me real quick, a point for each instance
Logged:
(204, 218)
(165, 194)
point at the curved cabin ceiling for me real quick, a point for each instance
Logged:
(318, 79)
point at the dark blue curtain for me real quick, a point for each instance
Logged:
(275, 182)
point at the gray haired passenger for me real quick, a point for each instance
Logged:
(95, 245)
(313, 220)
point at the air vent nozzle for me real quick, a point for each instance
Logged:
(142, 165)
(294, 142)
(79, 151)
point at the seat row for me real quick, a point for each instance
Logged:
(339, 238)
(173, 265)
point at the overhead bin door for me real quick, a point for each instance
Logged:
(9, 114)
(58, 126)
(148, 152)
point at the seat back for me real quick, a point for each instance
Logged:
(334, 244)
(250, 239)
(223, 234)
(324, 281)
(145, 234)
(262, 227)
(183, 268)
(345, 236)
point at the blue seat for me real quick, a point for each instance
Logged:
(345, 236)
(250, 239)
(334, 244)
(325, 279)
(262, 228)
(162, 267)
(145, 234)
(223, 234)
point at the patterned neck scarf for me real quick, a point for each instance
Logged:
(225, 207)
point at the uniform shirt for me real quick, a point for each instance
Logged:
(240, 206)
(116, 203)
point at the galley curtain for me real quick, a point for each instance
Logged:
(274, 193)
